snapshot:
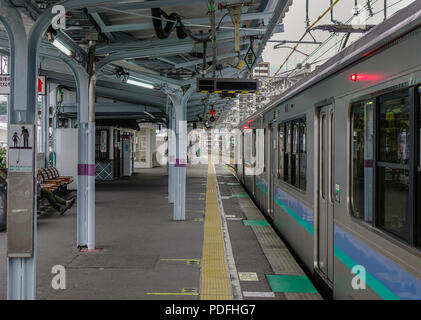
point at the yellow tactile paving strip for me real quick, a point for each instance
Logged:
(215, 282)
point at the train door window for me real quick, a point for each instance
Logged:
(323, 158)
(303, 154)
(295, 181)
(393, 168)
(287, 151)
(418, 217)
(253, 149)
(293, 152)
(281, 150)
(362, 125)
(264, 153)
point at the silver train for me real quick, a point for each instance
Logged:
(342, 154)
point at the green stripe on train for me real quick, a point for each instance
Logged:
(378, 287)
(297, 217)
(371, 281)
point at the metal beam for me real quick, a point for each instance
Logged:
(200, 61)
(187, 22)
(168, 44)
(115, 108)
(141, 5)
(281, 7)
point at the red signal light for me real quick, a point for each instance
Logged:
(246, 127)
(356, 77)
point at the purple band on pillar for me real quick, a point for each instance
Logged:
(172, 159)
(368, 163)
(86, 170)
(180, 162)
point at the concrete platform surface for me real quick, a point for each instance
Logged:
(144, 254)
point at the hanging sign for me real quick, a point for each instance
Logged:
(250, 58)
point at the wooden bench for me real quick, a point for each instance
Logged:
(51, 179)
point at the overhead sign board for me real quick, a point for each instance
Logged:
(227, 85)
(4, 84)
(250, 58)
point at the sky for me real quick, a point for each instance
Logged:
(294, 24)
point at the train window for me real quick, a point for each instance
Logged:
(293, 152)
(394, 130)
(394, 200)
(394, 149)
(362, 160)
(281, 150)
(393, 173)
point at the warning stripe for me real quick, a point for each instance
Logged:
(215, 283)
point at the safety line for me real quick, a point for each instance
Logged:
(215, 281)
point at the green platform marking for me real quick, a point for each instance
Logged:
(256, 223)
(290, 283)
(233, 184)
(238, 195)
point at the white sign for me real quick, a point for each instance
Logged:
(104, 141)
(4, 84)
(21, 144)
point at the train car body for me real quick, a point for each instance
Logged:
(342, 164)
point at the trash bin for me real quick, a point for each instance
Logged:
(3, 200)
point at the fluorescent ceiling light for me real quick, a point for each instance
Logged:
(140, 83)
(59, 45)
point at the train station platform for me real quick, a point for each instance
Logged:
(225, 249)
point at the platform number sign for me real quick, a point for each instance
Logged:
(250, 58)
(41, 85)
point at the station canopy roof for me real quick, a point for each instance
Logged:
(128, 46)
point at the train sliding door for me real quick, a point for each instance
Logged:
(325, 193)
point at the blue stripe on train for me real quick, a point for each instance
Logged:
(386, 278)
(400, 282)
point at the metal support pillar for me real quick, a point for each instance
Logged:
(24, 49)
(21, 271)
(91, 148)
(171, 153)
(83, 169)
(179, 101)
(45, 124)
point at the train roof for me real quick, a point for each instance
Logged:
(385, 33)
